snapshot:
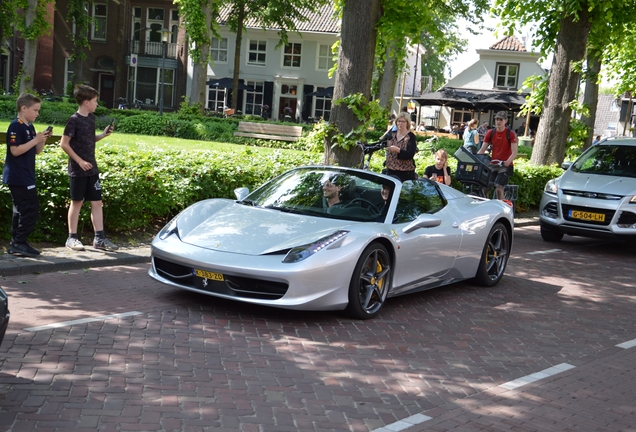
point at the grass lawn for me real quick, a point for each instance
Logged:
(132, 141)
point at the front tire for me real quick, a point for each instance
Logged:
(370, 282)
(494, 257)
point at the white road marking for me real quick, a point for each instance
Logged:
(81, 321)
(537, 376)
(404, 423)
(628, 344)
(544, 252)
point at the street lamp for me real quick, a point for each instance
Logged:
(165, 35)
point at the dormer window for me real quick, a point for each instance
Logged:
(507, 76)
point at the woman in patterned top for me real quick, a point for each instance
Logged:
(401, 147)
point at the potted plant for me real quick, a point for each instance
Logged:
(288, 112)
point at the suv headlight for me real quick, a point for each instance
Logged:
(551, 187)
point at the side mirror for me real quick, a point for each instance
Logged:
(566, 165)
(422, 221)
(241, 193)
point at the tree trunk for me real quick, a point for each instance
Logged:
(389, 78)
(30, 49)
(200, 68)
(355, 71)
(237, 56)
(552, 134)
(590, 97)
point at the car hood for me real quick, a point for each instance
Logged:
(248, 230)
(585, 182)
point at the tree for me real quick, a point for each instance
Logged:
(568, 30)
(79, 20)
(199, 19)
(32, 22)
(355, 71)
(383, 21)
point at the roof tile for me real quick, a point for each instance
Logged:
(509, 43)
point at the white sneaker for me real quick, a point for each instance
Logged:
(74, 244)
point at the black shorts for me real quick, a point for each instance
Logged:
(86, 188)
(500, 176)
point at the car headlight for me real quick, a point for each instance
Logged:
(169, 229)
(300, 253)
(633, 200)
(551, 187)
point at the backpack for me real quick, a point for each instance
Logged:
(490, 132)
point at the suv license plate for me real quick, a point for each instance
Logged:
(208, 275)
(588, 216)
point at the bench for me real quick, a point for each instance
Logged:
(50, 140)
(269, 131)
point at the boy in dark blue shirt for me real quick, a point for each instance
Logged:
(19, 173)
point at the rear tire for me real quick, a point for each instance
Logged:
(370, 283)
(550, 235)
(494, 257)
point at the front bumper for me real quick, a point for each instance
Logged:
(607, 219)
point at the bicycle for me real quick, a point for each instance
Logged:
(473, 172)
(123, 103)
(139, 104)
(368, 150)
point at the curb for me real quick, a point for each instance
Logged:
(61, 259)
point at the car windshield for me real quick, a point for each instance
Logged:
(613, 160)
(326, 192)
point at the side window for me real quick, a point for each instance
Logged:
(418, 197)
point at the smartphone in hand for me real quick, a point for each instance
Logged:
(49, 130)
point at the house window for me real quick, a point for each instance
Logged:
(325, 57)
(322, 107)
(218, 50)
(68, 75)
(461, 116)
(99, 22)
(155, 14)
(146, 90)
(168, 82)
(507, 75)
(174, 25)
(254, 99)
(257, 52)
(291, 58)
(216, 99)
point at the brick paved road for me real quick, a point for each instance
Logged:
(191, 363)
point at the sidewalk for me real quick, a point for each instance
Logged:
(61, 258)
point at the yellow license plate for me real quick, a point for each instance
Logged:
(588, 216)
(209, 275)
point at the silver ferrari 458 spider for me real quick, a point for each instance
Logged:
(329, 238)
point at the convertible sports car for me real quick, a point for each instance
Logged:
(329, 238)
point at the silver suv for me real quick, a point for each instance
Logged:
(595, 197)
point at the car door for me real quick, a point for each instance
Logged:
(425, 255)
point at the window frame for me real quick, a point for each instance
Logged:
(328, 57)
(507, 76)
(219, 50)
(288, 52)
(258, 97)
(256, 52)
(96, 20)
